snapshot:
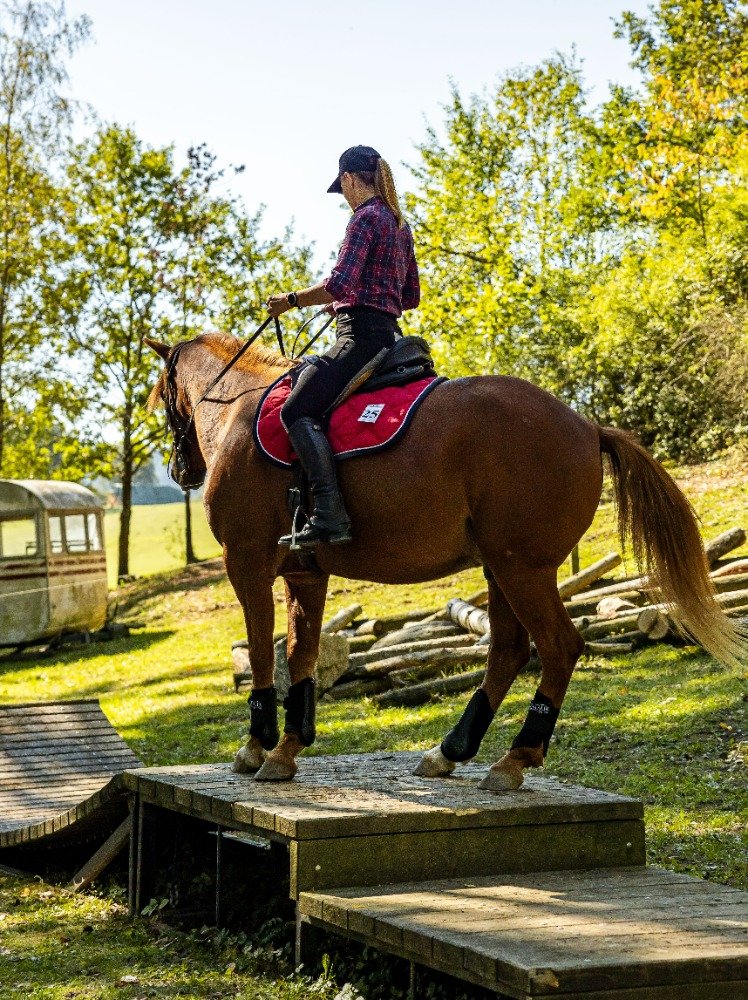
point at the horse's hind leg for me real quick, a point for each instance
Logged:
(535, 599)
(305, 600)
(508, 652)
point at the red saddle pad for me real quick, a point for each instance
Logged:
(366, 422)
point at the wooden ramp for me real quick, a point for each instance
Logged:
(61, 767)
(605, 934)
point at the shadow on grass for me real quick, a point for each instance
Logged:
(61, 657)
(193, 577)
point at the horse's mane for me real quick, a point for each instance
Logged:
(257, 360)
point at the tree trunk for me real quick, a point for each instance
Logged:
(123, 562)
(188, 549)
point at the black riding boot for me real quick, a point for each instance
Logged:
(329, 522)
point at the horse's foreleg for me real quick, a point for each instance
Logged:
(305, 600)
(256, 598)
(535, 599)
(508, 652)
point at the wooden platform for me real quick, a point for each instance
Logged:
(365, 819)
(60, 772)
(606, 934)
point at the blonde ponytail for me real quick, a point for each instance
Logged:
(384, 185)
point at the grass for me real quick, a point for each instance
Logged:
(667, 725)
(157, 538)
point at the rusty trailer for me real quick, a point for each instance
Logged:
(53, 577)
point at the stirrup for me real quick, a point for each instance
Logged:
(296, 541)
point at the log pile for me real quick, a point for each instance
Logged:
(412, 657)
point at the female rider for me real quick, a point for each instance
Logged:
(374, 279)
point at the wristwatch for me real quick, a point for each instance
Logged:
(292, 299)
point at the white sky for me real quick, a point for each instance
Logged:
(283, 86)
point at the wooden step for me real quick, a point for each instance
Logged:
(366, 819)
(605, 934)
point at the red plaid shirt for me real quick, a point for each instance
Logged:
(376, 266)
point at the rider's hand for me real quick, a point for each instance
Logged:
(277, 305)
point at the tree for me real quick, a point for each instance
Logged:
(511, 227)
(35, 40)
(155, 252)
(666, 331)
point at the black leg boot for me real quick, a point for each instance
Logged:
(329, 522)
(300, 706)
(263, 714)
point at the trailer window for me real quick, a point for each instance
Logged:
(75, 532)
(94, 535)
(56, 544)
(18, 537)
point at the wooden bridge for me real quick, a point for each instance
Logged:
(539, 892)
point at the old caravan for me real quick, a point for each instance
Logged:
(52, 564)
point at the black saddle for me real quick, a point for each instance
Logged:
(407, 361)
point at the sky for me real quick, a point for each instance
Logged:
(283, 87)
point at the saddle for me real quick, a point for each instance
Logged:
(408, 360)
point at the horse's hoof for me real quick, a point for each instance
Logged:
(501, 778)
(434, 764)
(248, 760)
(276, 770)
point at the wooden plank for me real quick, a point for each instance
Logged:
(103, 856)
(321, 864)
(504, 932)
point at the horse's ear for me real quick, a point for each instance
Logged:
(161, 349)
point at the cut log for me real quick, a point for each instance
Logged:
(342, 618)
(433, 657)
(357, 689)
(440, 642)
(729, 569)
(432, 630)
(479, 598)
(468, 616)
(741, 611)
(609, 607)
(609, 648)
(595, 629)
(580, 581)
(415, 673)
(598, 629)
(633, 590)
(723, 544)
(359, 643)
(389, 623)
(653, 623)
(419, 694)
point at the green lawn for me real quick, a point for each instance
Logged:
(157, 538)
(668, 725)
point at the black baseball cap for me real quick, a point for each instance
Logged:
(356, 160)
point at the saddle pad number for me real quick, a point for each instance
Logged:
(371, 413)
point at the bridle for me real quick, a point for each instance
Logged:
(179, 461)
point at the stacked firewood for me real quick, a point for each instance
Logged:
(409, 658)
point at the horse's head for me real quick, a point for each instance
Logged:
(186, 464)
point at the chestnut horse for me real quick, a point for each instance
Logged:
(492, 472)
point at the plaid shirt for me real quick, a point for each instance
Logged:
(376, 266)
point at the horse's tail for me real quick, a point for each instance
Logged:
(661, 525)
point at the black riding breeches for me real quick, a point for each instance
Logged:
(362, 334)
